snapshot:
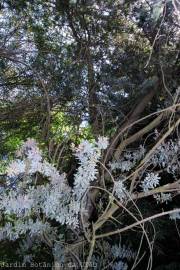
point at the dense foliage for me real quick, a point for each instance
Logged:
(89, 118)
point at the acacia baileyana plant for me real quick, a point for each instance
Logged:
(54, 198)
(37, 200)
(33, 203)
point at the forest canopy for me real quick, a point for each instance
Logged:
(89, 130)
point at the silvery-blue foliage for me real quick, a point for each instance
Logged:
(88, 155)
(30, 206)
(58, 252)
(55, 199)
(150, 181)
(27, 258)
(25, 248)
(120, 189)
(13, 230)
(163, 197)
(167, 156)
(128, 160)
(122, 252)
(175, 216)
(118, 254)
(120, 266)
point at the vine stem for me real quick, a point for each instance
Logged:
(137, 223)
(91, 248)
